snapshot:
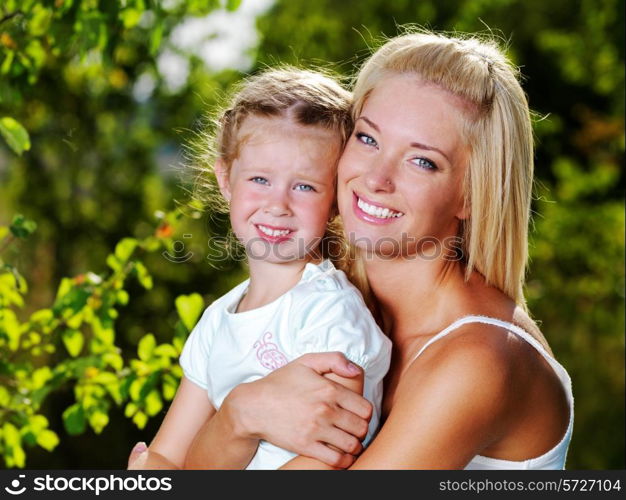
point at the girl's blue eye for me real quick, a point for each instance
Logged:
(368, 140)
(304, 187)
(259, 180)
(424, 163)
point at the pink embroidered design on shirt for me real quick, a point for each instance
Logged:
(268, 354)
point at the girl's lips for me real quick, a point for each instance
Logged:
(367, 217)
(273, 239)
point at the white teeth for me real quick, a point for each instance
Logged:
(273, 232)
(382, 213)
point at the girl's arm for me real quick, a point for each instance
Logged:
(189, 410)
(294, 408)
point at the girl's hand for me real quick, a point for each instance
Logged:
(295, 407)
(141, 458)
(138, 457)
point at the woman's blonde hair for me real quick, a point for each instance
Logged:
(498, 132)
(306, 98)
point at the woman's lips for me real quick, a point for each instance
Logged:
(392, 215)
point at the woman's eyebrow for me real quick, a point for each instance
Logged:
(369, 122)
(418, 145)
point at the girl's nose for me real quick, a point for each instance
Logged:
(278, 205)
(380, 177)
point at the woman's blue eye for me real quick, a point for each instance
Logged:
(259, 180)
(366, 139)
(424, 163)
(304, 187)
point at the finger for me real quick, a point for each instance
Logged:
(331, 457)
(327, 362)
(355, 403)
(351, 423)
(341, 440)
(136, 452)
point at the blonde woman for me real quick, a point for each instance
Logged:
(434, 189)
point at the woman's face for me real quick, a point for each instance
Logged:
(401, 174)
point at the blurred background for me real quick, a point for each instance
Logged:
(98, 99)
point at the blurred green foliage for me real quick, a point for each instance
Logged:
(90, 159)
(72, 344)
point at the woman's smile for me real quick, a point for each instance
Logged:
(375, 213)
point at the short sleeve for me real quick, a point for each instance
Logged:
(338, 320)
(194, 358)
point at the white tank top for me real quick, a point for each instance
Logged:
(552, 459)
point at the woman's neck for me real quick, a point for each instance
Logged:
(415, 294)
(269, 280)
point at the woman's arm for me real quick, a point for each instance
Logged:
(294, 408)
(189, 410)
(449, 405)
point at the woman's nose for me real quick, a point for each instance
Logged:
(380, 177)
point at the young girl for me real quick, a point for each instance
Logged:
(277, 148)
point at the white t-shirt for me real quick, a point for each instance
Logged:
(322, 312)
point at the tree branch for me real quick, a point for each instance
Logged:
(11, 15)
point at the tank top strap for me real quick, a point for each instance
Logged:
(489, 321)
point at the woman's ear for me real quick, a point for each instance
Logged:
(464, 211)
(223, 178)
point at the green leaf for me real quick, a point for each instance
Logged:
(21, 227)
(113, 262)
(169, 387)
(130, 410)
(73, 341)
(135, 388)
(64, 287)
(47, 439)
(40, 20)
(143, 276)
(153, 403)
(16, 136)
(5, 397)
(125, 248)
(114, 360)
(3, 231)
(98, 421)
(189, 308)
(10, 326)
(155, 38)
(232, 4)
(146, 347)
(130, 17)
(13, 441)
(140, 419)
(166, 350)
(122, 297)
(41, 316)
(74, 419)
(41, 376)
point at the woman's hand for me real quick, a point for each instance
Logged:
(297, 408)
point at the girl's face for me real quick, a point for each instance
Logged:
(281, 187)
(401, 174)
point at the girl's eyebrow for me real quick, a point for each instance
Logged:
(418, 145)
